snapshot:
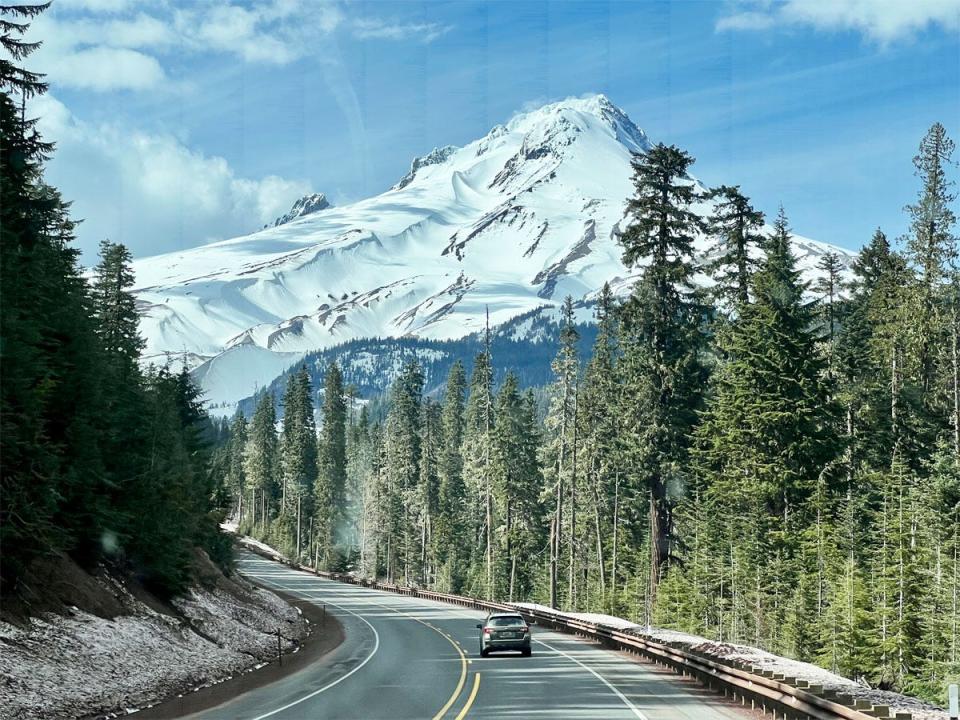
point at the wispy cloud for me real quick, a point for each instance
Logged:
(881, 21)
(106, 45)
(373, 28)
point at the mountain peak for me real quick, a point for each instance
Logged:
(434, 157)
(596, 106)
(308, 204)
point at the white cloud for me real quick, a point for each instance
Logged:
(151, 192)
(882, 21)
(373, 28)
(106, 68)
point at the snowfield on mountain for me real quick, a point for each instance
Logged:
(511, 222)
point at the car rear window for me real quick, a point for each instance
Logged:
(505, 620)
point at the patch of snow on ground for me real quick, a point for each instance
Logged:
(762, 660)
(79, 665)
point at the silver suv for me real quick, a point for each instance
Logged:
(504, 631)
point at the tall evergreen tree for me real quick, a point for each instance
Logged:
(477, 455)
(516, 482)
(260, 463)
(932, 246)
(736, 227)
(402, 455)
(662, 338)
(298, 454)
(767, 434)
(602, 439)
(559, 461)
(236, 479)
(331, 519)
(452, 545)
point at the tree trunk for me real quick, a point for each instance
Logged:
(616, 531)
(297, 552)
(600, 560)
(956, 382)
(558, 511)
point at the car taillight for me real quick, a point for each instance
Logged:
(487, 630)
(524, 629)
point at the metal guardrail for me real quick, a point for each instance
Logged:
(783, 697)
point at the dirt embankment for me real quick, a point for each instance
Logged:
(80, 645)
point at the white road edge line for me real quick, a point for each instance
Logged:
(376, 646)
(601, 678)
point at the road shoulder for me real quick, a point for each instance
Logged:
(326, 635)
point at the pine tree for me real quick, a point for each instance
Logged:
(236, 478)
(736, 227)
(600, 442)
(428, 491)
(115, 309)
(332, 519)
(932, 246)
(516, 482)
(53, 482)
(402, 455)
(828, 287)
(477, 452)
(298, 452)
(260, 463)
(767, 434)
(452, 547)
(662, 338)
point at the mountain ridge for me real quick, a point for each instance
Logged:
(513, 221)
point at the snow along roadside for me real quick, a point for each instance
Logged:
(77, 665)
(727, 652)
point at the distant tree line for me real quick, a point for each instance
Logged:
(100, 458)
(765, 462)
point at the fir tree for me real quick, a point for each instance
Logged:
(402, 455)
(516, 482)
(452, 516)
(559, 456)
(736, 227)
(477, 452)
(932, 245)
(260, 463)
(298, 452)
(662, 338)
(331, 520)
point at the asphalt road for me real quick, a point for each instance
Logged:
(411, 658)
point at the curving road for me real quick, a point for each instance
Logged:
(412, 658)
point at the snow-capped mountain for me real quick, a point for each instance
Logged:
(306, 205)
(512, 222)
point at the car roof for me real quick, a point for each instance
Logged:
(505, 613)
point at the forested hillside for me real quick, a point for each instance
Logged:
(100, 458)
(524, 346)
(748, 464)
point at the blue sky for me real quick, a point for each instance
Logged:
(179, 123)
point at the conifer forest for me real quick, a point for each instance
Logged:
(765, 463)
(755, 460)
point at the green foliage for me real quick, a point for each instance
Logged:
(662, 341)
(100, 459)
(735, 226)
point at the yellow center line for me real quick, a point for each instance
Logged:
(463, 675)
(473, 695)
(463, 660)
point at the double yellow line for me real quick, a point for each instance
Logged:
(463, 678)
(463, 668)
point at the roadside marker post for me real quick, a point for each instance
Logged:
(954, 693)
